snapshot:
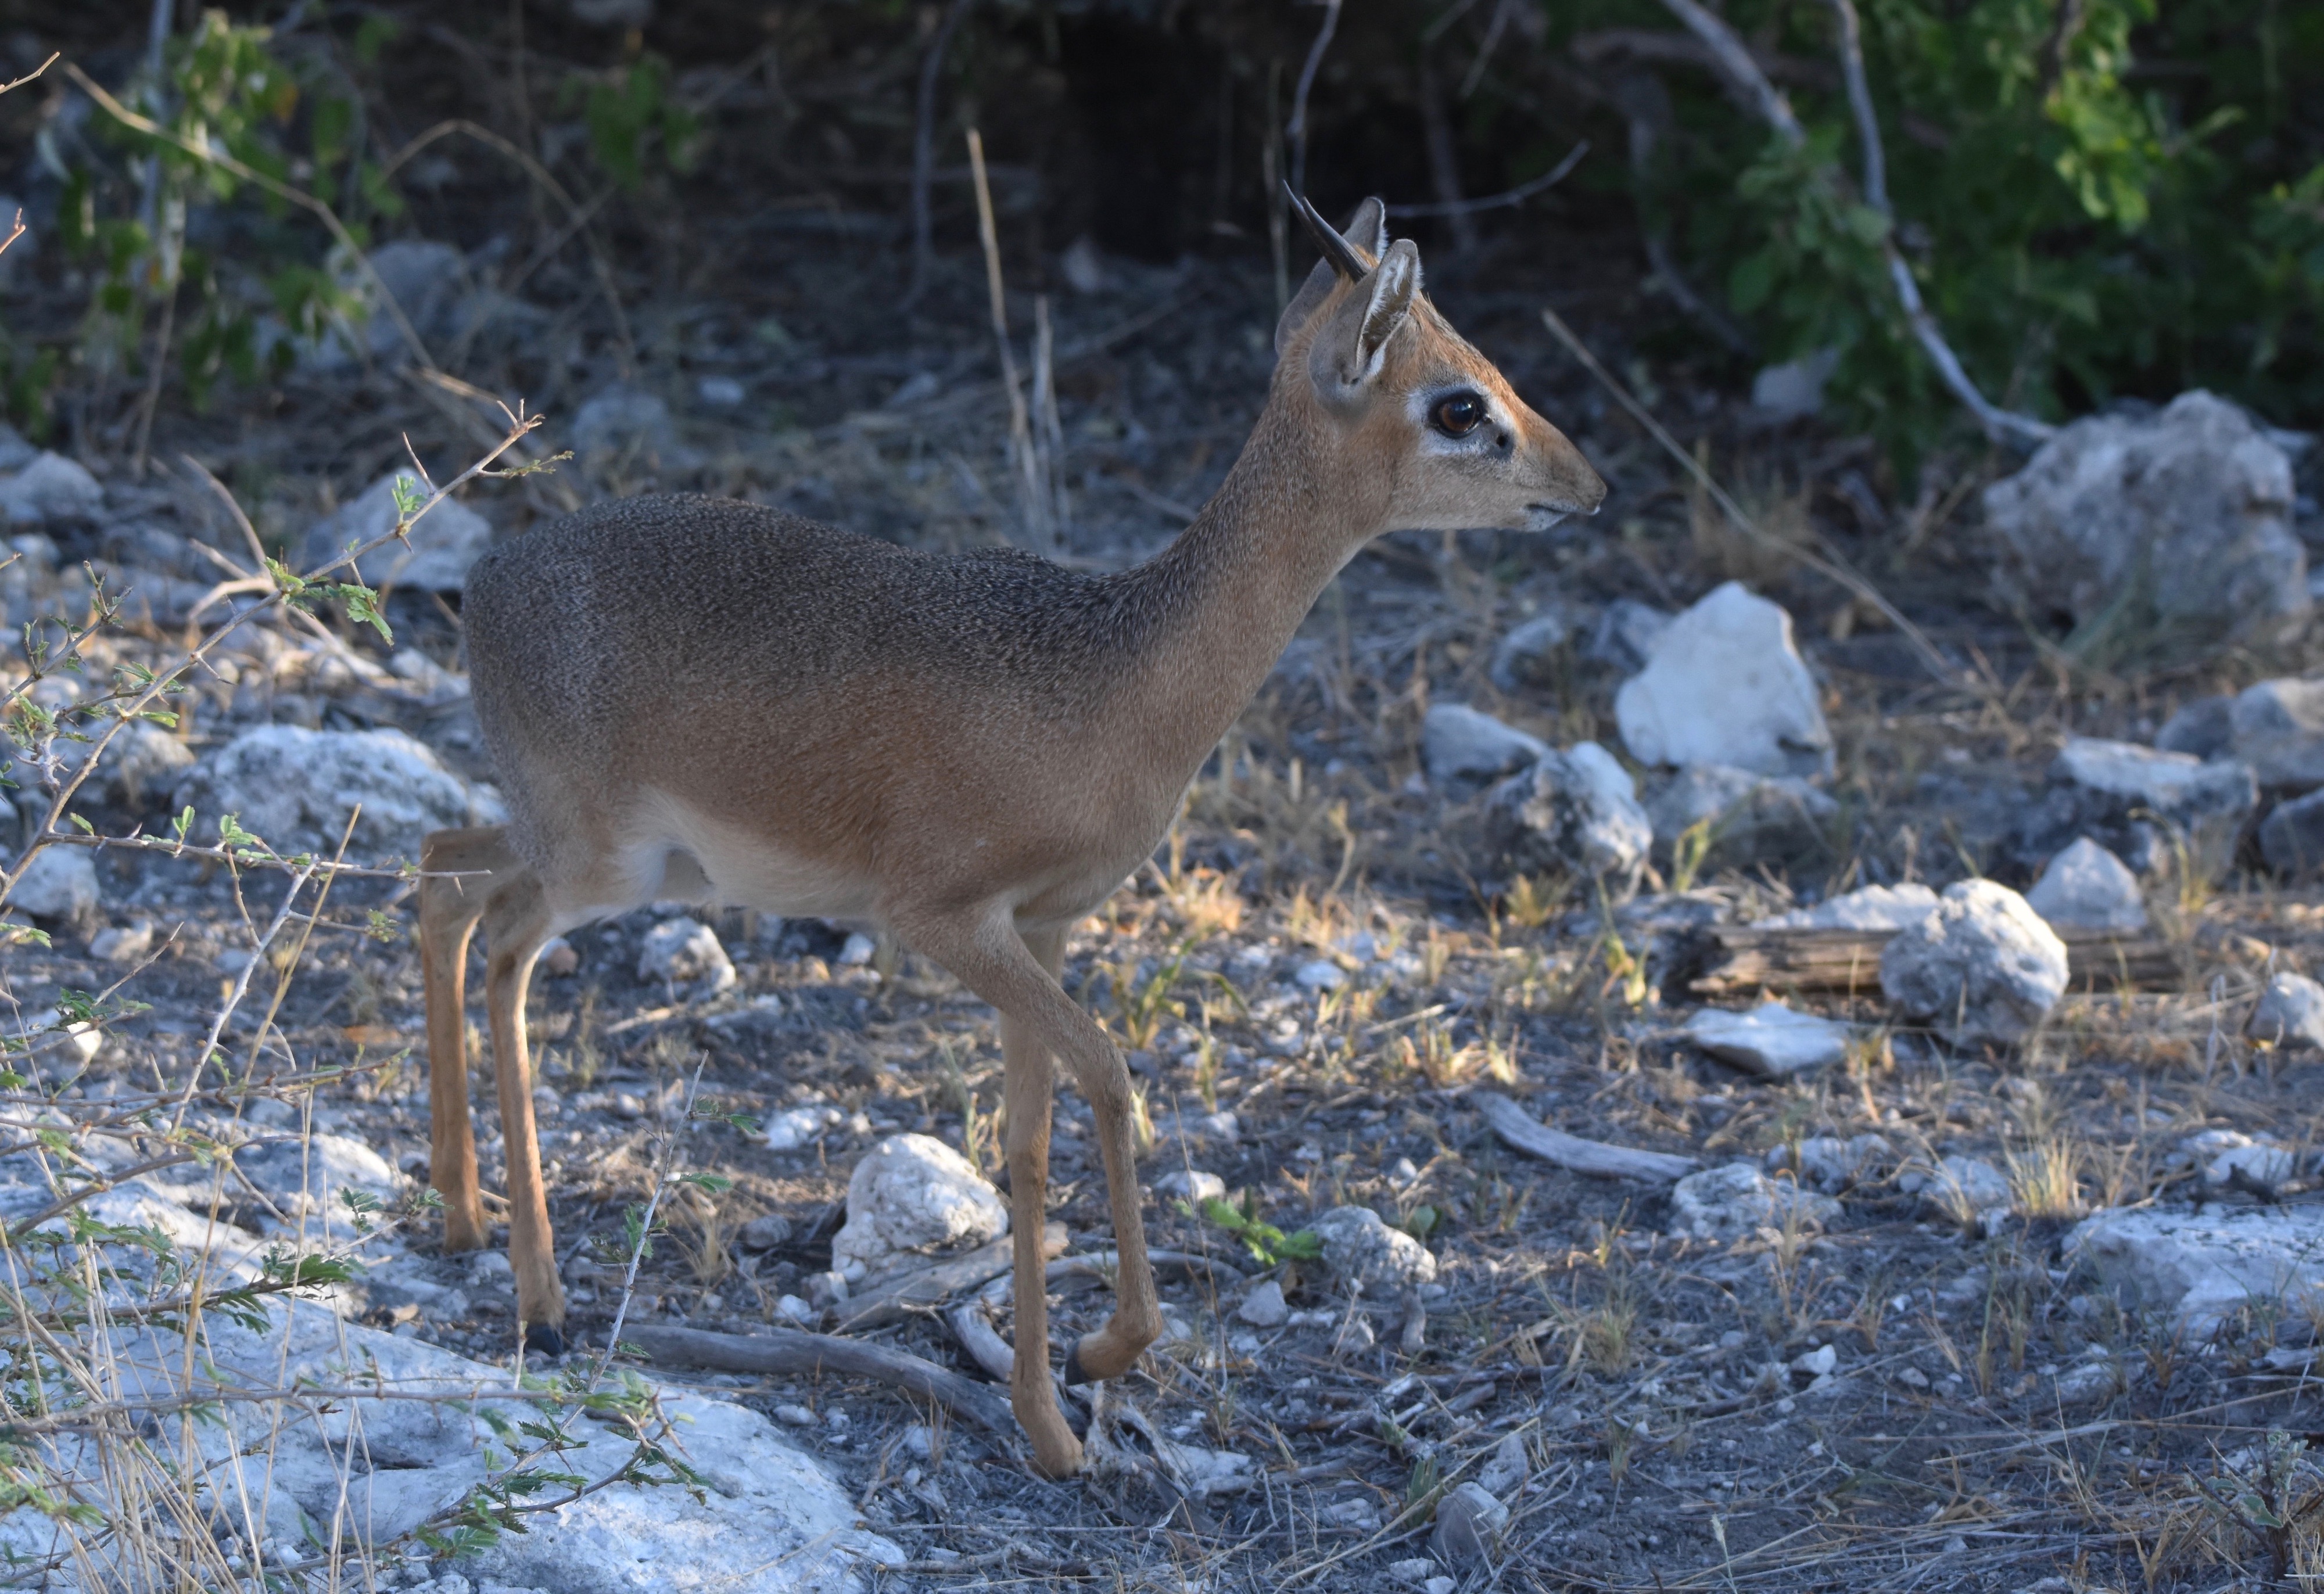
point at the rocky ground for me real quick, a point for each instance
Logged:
(1992, 1260)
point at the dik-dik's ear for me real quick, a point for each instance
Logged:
(1348, 352)
(1364, 239)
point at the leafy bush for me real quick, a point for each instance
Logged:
(2101, 198)
(162, 210)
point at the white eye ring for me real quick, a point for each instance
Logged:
(1460, 414)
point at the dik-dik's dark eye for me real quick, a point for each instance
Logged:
(1457, 415)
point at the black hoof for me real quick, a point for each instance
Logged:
(1074, 1376)
(544, 1338)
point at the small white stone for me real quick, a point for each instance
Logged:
(2290, 1012)
(1459, 745)
(1817, 1362)
(1725, 685)
(2086, 886)
(119, 943)
(49, 491)
(682, 950)
(800, 1126)
(911, 1193)
(1323, 975)
(1507, 1468)
(1193, 1185)
(1415, 1572)
(61, 882)
(858, 951)
(1737, 1201)
(1770, 1040)
(1982, 967)
(1359, 1247)
(1264, 1306)
(798, 1416)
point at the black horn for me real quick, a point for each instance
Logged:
(1336, 249)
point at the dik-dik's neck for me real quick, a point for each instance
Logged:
(1222, 601)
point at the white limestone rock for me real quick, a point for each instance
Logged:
(1725, 685)
(442, 543)
(685, 951)
(1771, 1040)
(1982, 967)
(2177, 525)
(2204, 1265)
(1361, 1249)
(1575, 810)
(912, 1193)
(1737, 1200)
(1873, 908)
(1469, 1527)
(60, 884)
(50, 490)
(1460, 747)
(2290, 1012)
(295, 788)
(2277, 727)
(2140, 804)
(2088, 888)
(1264, 1306)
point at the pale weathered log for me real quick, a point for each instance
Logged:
(1515, 1125)
(983, 1341)
(1744, 959)
(900, 1295)
(791, 1353)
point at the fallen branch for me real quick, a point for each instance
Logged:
(1744, 960)
(1515, 1125)
(925, 1288)
(983, 1341)
(791, 1353)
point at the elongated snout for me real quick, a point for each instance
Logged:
(1564, 482)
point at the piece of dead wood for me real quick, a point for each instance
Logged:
(1515, 1125)
(1099, 1267)
(902, 1295)
(983, 1341)
(793, 1353)
(1743, 959)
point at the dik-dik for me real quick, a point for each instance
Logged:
(699, 699)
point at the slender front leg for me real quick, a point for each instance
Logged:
(449, 910)
(1027, 1088)
(516, 927)
(989, 957)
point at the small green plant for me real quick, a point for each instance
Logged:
(1267, 1244)
(629, 112)
(229, 117)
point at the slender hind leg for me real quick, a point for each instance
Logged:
(1027, 1088)
(449, 910)
(992, 960)
(516, 927)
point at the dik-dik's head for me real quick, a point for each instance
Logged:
(1403, 391)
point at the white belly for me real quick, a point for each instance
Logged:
(675, 853)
